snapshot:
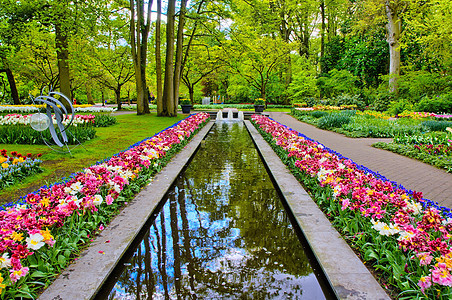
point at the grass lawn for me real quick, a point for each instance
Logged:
(110, 140)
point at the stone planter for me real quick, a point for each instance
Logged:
(259, 108)
(186, 108)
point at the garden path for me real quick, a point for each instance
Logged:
(434, 183)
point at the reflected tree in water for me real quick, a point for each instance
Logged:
(222, 233)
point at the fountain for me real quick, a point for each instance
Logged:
(230, 115)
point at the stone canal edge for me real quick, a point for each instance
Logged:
(347, 275)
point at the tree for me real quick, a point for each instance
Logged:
(201, 62)
(158, 58)
(256, 59)
(169, 104)
(139, 32)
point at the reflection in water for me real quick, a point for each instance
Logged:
(222, 234)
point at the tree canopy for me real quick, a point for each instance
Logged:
(280, 50)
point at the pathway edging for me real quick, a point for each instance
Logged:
(347, 275)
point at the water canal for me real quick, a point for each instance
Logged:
(222, 233)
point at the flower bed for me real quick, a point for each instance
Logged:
(434, 148)
(46, 229)
(17, 119)
(35, 108)
(405, 238)
(15, 167)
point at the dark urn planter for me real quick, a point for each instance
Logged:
(186, 109)
(259, 108)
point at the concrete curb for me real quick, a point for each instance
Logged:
(83, 279)
(347, 275)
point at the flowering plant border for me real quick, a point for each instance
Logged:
(15, 167)
(404, 237)
(42, 232)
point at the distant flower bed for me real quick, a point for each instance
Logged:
(17, 119)
(400, 234)
(35, 108)
(15, 166)
(42, 233)
(419, 115)
(434, 148)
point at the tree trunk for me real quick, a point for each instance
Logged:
(191, 92)
(158, 57)
(394, 27)
(61, 42)
(139, 36)
(118, 97)
(144, 51)
(179, 45)
(89, 94)
(12, 85)
(322, 34)
(169, 108)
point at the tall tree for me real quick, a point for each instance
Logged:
(179, 51)
(393, 9)
(169, 104)
(158, 58)
(139, 32)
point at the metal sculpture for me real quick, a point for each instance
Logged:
(41, 122)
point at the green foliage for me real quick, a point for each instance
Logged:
(185, 102)
(382, 101)
(104, 120)
(259, 101)
(335, 120)
(338, 82)
(19, 134)
(436, 125)
(317, 113)
(363, 126)
(399, 106)
(435, 104)
(435, 138)
(418, 84)
(304, 81)
(363, 55)
(346, 99)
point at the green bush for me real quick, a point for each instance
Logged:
(435, 104)
(399, 106)
(20, 134)
(318, 113)
(334, 120)
(347, 99)
(436, 125)
(382, 101)
(338, 82)
(104, 120)
(418, 84)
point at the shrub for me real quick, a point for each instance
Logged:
(334, 120)
(398, 107)
(436, 125)
(104, 120)
(338, 83)
(318, 113)
(382, 101)
(417, 84)
(436, 104)
(347, 99)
